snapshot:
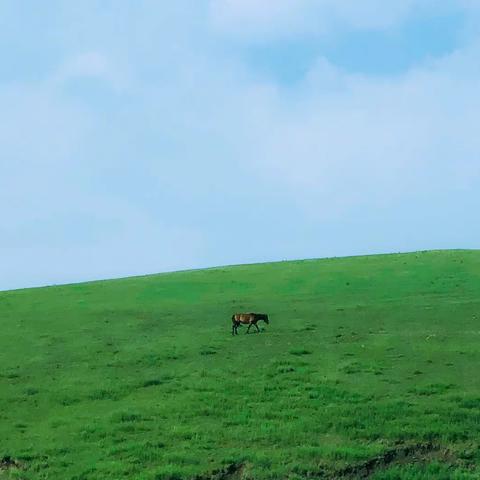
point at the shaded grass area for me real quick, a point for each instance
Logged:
(141, 378)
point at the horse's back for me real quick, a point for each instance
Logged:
(243, 317)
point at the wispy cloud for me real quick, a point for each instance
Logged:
(254, 21)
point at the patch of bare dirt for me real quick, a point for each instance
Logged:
(9, 463)
(401, 455)
(234, 471)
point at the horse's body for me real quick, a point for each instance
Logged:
(247, 319)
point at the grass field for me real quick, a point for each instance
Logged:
(370, 368)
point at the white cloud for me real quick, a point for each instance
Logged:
(370, 141)
(40, 135)
(92, 65)
(254, 20)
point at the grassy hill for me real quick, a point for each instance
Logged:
(370, 368)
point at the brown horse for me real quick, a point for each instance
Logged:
(247, 319)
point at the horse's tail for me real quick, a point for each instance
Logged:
(233, 318)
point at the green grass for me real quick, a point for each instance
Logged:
(141, 378)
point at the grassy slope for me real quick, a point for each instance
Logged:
(140, 378)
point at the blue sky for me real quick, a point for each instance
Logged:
(145, 136)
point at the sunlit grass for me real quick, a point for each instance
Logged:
(141, 377)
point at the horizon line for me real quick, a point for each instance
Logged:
(236, 265)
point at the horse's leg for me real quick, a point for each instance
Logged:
(248, 329)
(256, 326)
(233, 329)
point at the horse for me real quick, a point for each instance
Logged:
(247, 319)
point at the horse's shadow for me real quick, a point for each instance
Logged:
(262, 330)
